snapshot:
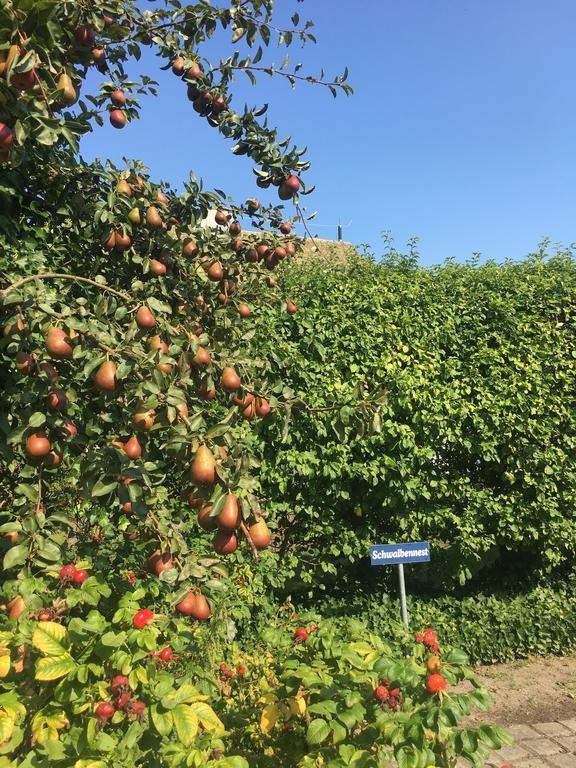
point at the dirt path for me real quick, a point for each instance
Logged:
(530, 691)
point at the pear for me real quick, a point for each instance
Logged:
(157, 343)
(221, 217)
(215, 272)
(123, 242)
(202, 469)
(230, 379)
(244, 310)
(123, 188)
(225, 542)
(134, 216)
(249, 411)
(260, 534)
(58, 344)
(189, 247)
(67, 93)
(153, 218)
(186, 606)
(143, 418)
(204, 520)
(202, 358)
(57, 400)
(25, 363)
(15, 607)
(111, 241)
(132, 448)
(201, 609)
(262, 407)
(37, 444)
(145, 318)
(291, 308)
(229, 517)
(105, 378)
(159, 561)
(158, 267)
(162, 199)
(117, 118)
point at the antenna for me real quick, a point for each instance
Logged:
(339, 226)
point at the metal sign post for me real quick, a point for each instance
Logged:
(398, 554)
(403, 606)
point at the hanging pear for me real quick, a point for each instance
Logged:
(58, 344)
(105, 378)
(66, 92)
(202, 469)
(201, 609)
(132, 448)
(186, 605)
(229, 517)
(153, 218)
(260, 534)
(230, 379)
(204, 520)
(225, 542)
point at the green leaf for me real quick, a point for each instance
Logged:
(15, 556)
(318, 731)
(163, 721)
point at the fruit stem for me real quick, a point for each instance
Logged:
(248, 538)
(61, 276)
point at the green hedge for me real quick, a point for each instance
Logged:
(489, 627)
(474, 443)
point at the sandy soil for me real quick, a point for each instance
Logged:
(530, 691)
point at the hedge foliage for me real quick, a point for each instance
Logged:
(474, 367)
(489, 627)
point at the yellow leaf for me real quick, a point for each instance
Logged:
(186, 723)
(142, 675)
(49, 637)
(208, 717)
(53, 667)
(6, 726)
(89, 764)
(4, 665)
(269, 717)
(268, 698)
(297, 706)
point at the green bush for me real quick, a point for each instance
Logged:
(488, 627)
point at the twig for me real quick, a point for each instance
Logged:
(39, 502)
(248, 538)
(310, 235)
(61, 276)
(39, 81)
(289, 75)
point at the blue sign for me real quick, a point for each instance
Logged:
(392, 554)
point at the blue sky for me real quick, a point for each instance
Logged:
(461, 130)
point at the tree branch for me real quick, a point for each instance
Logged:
(248, 538)
(61, 276)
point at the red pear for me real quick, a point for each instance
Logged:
(202, 469)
